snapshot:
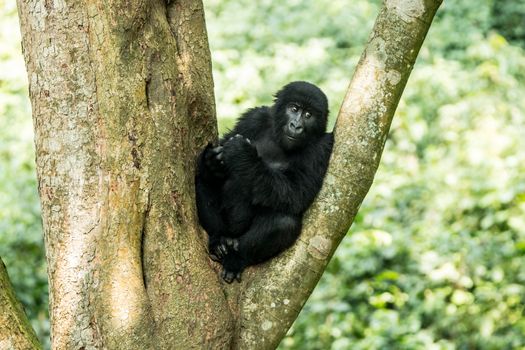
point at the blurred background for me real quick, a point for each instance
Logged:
(435, 258)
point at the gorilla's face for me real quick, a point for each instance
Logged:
(300, 114)
(299, 127)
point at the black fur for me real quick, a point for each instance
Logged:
(253, 189)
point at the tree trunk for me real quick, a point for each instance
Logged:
(122, 99)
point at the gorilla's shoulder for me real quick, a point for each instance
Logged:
(254, 121)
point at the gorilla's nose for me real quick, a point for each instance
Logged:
(295, 127)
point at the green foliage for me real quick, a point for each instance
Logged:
(435, 259)
(509, 19)
(21, 241)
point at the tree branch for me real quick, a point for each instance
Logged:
(15, 330)
(275, 292)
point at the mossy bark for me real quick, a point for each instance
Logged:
(122, 99)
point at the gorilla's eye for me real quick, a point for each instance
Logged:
(294, 108)
(307, 115)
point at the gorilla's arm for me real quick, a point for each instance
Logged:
(294, 189)
(210, 163)
(289, 190)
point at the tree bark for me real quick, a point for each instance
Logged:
(15, 330)
(122, 99)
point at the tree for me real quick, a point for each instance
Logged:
(123, 101)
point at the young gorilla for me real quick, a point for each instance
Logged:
(253, 189)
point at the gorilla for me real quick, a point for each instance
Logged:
(253, 188)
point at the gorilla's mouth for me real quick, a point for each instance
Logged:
(294, 140)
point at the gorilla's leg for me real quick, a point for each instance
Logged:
(208, 187)
(208, 209)
(269, 235)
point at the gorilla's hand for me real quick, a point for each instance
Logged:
(238, 142)
(238, 151)
(213, 158)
